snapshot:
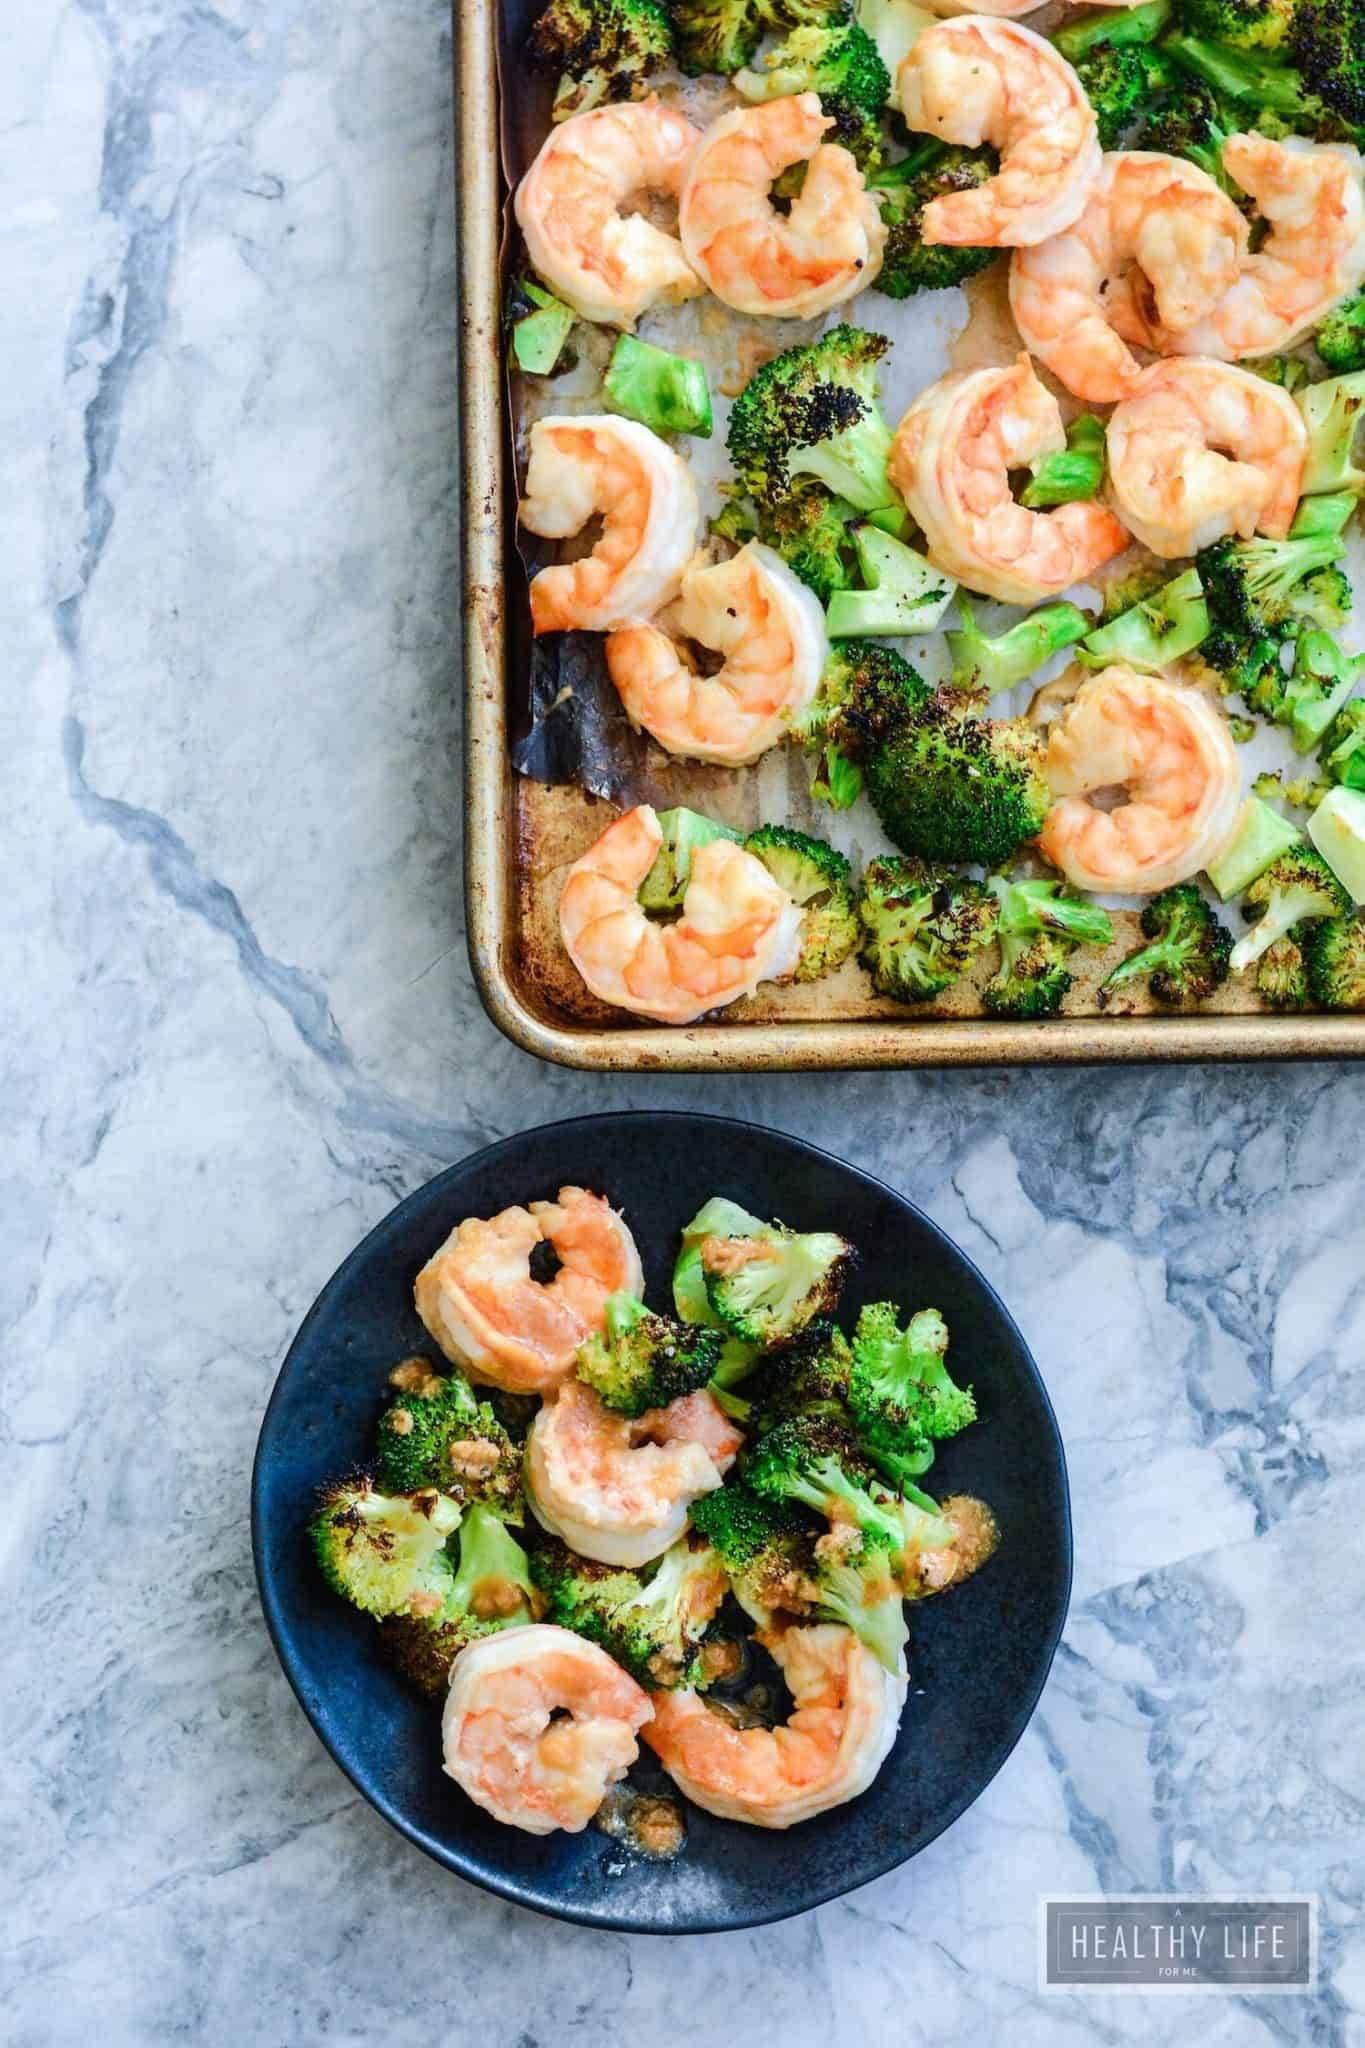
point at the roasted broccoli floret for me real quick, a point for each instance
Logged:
(1311, 81)
(386, 1553)
(814, 411)
(1296, 887)
(811, 530)
(992, 665)
(1252, 593)
(902, 1397)
(1340, 340)
(1193, 124)
(1322, 683)
(1120, 80)
(1243, 24)
(856, 669)
(838, 61)
(1076, 471)
(922, 924)
(602, 49)
(1039, 926)
(641, 1360)
(651, 1621)
(1343, 750)
(1282, 975)
(766, 1549)
(855, 1581)
(1186, 957)
(816, 877)
(815, 1461)
(440, 1434)
(806, 1377)
(667, 393)
(1332, 412)
(715, 35)
(1335, 952)
(902, 191)
(766, 1285)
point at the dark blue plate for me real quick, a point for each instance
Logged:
(978, 1655)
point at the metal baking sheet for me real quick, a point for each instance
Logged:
(521, 832)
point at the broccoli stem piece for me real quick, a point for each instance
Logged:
(1141, 24)
(538, 337)
(1262, 835)
(906, 593)
(1323, 681)
(664, 887)
(665, 392)
(1076, 471)
(1255, 81)
(1332, 414)
(1158, 630)
(1337, 830)
(838, 781)
(854, 1582)
(493, 1581)
(980, 663)
(1343, 750)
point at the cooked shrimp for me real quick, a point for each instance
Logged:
(617, 1489)
(595, 463)
(847, 1709)
(951, 460)
(737, 928)
(1164, 216)
(771, 630)
(608, 265)
(1198, 450)
(1310, 195)
(477, 1298)
(974, 80)
(757, 260)
(538, 1724)
(1170, 750)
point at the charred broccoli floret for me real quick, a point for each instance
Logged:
(811, 530)
(1295, 888)
(838, 61)
(814, 1461)
(1039, 926)
(1243, 24)
(814, 411)
(766, 1549)
(1193, 124)
(1188, 949)
(1259, 592)
(641, 1360)
(922, 924)
(1343, 750)
(992, 665)
(1282, 975)
(806, 1377)
(1335, 953)
(856, 670)
(902, 191)
(651, 1621)
(1120, 80)
(1340, 340)
(715, 35)
(816, 877)
(900, 1392)
(767, 1285)
(1311, 80)
(439, 1434)
(602, 49)
(386, 1553)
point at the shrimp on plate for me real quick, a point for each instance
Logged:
(1155, 224)
(951, 460)
(738, 926)
(975, 80)
(609, 265)
(477, 1298)
(1169, 749)
(538, 1725)
(589, 463)
(619, 1489)
(1310, 196)
(1199, 449)
(771, 630)
(826, 248)
(847, 1709)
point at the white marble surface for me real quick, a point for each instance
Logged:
(237, 1024)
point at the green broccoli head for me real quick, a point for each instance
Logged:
(1326, 45)
(641, 1360)
(902, 191)
(1243, 24)
(1311, 82)
(1340, 340)
(1193, 124)
(1121, 81)
(816, 878)
(901, 1395)
(809, 1376)
(715, 35)
(439, 1434)
(855, 1581)
(386, 1553)
(1032, 978)
(837, 59)
(766, 1548)
(767, 1287)
(652, 1622)
(814, 411)
(602, 49)
(1250, 585)
(1297, 886)
(946, 783)
(1040, 924)
(1335, 954)
(1187, 956)
(811, 531)
(992, 665)
(814, 1462)
(922, 924)
(1343, 750)
(1282, 975)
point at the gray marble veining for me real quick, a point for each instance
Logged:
(238, 1023)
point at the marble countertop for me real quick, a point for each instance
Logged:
(238, 1024)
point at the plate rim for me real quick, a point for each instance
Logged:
(508, 1889)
